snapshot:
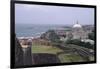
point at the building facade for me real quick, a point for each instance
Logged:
(75, 32)
(78, 32)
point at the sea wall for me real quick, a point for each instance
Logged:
(44, 58)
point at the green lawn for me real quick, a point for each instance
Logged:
(65, 57)
(70, 58)
(45, 49)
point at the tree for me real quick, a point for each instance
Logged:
(43, 36)
(91, 35)
(53, 37)
(80, 43)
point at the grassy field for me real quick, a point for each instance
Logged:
(45, 49)
(70, 58)
(65, 57)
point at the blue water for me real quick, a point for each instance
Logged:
(32, 30)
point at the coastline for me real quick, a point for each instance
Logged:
(29, 37)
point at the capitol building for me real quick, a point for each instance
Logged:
(75, 32)
(78, 32)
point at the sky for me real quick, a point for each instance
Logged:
(42, 14)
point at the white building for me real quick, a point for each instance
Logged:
(78, 32)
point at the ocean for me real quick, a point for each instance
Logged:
(33, 30)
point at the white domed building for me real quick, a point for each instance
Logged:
(78, 32)
(77, 25)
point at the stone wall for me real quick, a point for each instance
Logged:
(44, 58)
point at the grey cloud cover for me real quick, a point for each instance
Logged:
(41, 14)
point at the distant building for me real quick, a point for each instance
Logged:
(76, 32)
(88, 40)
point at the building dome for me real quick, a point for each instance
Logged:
(77, 25)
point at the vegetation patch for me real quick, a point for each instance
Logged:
(70, 58)
(45, 49)
(63, 57)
